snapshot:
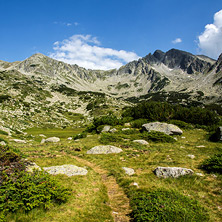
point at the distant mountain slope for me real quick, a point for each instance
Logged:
(41, 90)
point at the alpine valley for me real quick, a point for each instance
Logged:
(43, 92)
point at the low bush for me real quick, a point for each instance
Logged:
(156, 136)
(80, 136)
(138, 123)
(181, 124)
(165, 205)
(106, 138)
(20, 190)
(213, 164)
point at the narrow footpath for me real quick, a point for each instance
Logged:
(118, 201)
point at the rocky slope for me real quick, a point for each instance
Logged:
(41, 91)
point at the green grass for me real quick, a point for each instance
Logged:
(89, 197)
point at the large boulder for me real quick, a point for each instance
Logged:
(174, 172)
(52, 139)
(104, 150)
(143, 142)
(69, 170)
(166, 128)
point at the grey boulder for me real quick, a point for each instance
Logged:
(104, 150)
(52, 139)
(128, 171)
(166, 128)
(143, 142)
(174, 172)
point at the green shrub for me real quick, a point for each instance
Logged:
(138, 123)
(213, 164)
(156, 111)
(106, 138)
(20, 190)
(1, 139)
(165, 205)
(156, 136)
(80, 136)
(181, 124)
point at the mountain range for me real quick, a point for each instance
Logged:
(41, 86)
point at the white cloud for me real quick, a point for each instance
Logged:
(177, 40)
(85, 51)
(210, 41)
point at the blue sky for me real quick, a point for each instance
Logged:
(106, 34)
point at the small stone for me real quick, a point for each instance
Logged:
(124, 129)
(69, 138)
(128, 171)
(42, 135)
(201, 146)
(113, 130)
(19, 141)
(191, 156)
(3, 143)
(135, 184)
(199, 174)
(106, 129)
(143, 142)
(127, 124)
(31, 166)
(42, 141)
(183, 137)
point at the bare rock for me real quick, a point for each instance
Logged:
(19, 141)
(52, 139)
(106, 129)
(128, 171)
(191, 156)
(174, 172)
(101, 149)
(31, 166)
(113, 130)
(3, 143)
(69, 170)
(143, 142)
(166, 128)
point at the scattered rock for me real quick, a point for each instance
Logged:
(201, 146)
(127, 124)
(42, 135)
(6, 130)
(174, 172)
(199, 174)
(135, 184)
(104, 149)
(42, 141)
(19, 141)
(183, 137)
(69, 138)
(113, 130)
(166, 128)
(52, 139)
(143, 142)
(69, 170)
(3, 143)
(128, 171)
(124, 129)
(106, 129)
(30, 166)
(191, 156)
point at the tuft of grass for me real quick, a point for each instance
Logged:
(156, 136)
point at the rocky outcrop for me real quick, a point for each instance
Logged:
(174, 172)
(166, 128)
(69, 170)
(104, 150)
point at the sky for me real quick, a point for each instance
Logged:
(106, 34)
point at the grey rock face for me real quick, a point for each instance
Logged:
(104, 150)
(166, 128)
(52, 139)
(143, 142)
(128, 171)
(69, 170)
(219, 134)
(174, 172)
